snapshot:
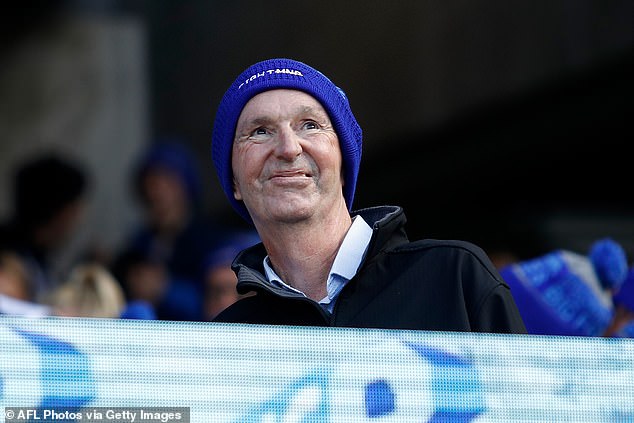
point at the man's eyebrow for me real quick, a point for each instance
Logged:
(256, 121)
(301, 110)
(312, 109)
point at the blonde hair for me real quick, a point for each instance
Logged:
(90, 291)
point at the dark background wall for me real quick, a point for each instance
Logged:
(501, 122)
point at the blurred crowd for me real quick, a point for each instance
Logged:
(570, 293)
(176, 264)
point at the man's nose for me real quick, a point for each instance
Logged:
(288, 145)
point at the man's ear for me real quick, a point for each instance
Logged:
(236, 190)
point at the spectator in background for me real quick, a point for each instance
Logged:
(48, 199)
(15, 288)
(14, 279)
(220, 280)
(146, 280)
(174, 233)
(90, 291)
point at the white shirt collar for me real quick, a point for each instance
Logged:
(346, 263)
(352, 249)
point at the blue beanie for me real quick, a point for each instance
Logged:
(172, 154)
(289, 74)
(610, 262)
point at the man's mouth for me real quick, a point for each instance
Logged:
(298, 173)
(295, 178)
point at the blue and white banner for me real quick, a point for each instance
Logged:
(242, 373)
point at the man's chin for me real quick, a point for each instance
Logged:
(292, 216)
(291, 211)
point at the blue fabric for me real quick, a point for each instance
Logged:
(553, 299)
(139, 309)
(183, 301)
(610, 262)
(290, 74)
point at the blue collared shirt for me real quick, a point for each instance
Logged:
(345, 266)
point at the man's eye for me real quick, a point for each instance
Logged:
(259, 131)
(310, 125)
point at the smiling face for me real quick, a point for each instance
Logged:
(286, 159)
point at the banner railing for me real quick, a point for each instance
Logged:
(103, 369)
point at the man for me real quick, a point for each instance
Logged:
(220, 280)
(162, 260)
(287, 150)
(49, 194)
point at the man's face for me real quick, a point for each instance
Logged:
(165, 198)
(286, 158)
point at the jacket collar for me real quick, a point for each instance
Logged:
(388, 226)
(387, 223)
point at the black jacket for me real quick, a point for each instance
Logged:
(422, 285)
